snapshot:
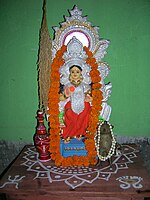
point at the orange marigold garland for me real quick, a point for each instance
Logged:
(54, 112)
(53, 104)
(96, 105)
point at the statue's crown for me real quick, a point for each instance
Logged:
(75, 53)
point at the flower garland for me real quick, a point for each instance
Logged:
(53, 100)
(97, 143)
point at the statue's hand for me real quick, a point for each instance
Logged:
(62, 97)
(88, 98)
(68, 91)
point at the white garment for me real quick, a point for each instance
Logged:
(77, 97)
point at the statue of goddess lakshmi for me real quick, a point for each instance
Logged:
(77, 109)
(76, 57)
(76, 95)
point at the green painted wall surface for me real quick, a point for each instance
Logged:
(126, 23)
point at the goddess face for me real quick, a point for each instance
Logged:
(75, 73)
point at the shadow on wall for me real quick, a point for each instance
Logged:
(8, 152)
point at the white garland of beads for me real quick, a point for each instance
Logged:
(97, 139)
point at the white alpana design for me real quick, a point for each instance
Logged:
(13, 181)
(77, 176)
(130, 181)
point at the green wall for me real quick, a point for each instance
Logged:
(126, 23)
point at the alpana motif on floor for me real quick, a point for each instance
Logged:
(77, 176)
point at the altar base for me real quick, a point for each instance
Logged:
(28, 179)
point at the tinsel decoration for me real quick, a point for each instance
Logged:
(44, 62)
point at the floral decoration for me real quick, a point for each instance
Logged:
(53, 100)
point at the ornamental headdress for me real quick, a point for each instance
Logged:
(75, 55)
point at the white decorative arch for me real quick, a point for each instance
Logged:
(77, 26)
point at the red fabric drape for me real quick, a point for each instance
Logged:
(75, 124)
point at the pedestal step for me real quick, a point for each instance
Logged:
(74, 147)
